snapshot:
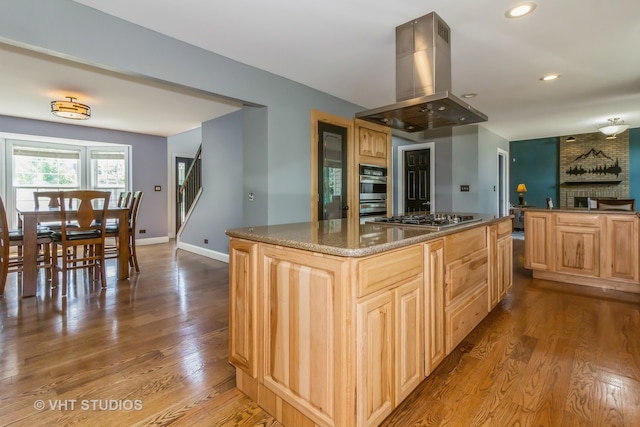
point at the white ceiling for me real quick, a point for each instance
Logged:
(347, 48)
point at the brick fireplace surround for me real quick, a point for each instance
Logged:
(599, 166)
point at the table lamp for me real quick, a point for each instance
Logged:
(521, 189)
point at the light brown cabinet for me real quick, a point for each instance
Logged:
(500, 262)
(590, 248)
(435, 350)
(409, 350)
(373, 144)
(390, 331)
(334, 341)
(375, 359)
(622, 241)
(539, 240)
(243, 306)
(466, 283)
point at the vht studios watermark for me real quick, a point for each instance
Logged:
(88, 405)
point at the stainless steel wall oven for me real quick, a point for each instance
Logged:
(373, 190)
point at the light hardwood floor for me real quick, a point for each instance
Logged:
(152, 350)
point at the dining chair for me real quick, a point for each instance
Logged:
(112, 230)
(89, 215)
(13, 262)
(616, 204)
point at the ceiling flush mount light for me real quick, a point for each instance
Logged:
(520, 10)
(550, 77)
(613, 127)
(70, 109)
(469, 95)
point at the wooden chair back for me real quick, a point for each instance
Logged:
(123, 199)
(135, 207)
(616, 205)
(51, 197)
(4, 247)
(90, 213)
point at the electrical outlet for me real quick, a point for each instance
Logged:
(206, 241)
(143, 231)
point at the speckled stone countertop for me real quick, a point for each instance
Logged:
(582, 210)
(348, 238)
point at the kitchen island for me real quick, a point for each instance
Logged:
(598, 248)
(334, 323)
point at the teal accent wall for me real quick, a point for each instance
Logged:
(534, 162)
(634, 165)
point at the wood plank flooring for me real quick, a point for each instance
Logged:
(152, 351)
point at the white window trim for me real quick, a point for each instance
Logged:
(6, 159)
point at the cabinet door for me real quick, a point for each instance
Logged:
(577, 250)
(243, 311)
(434, 305)
(622, 247)
(505, 266)
(303, 329)
(409, 351)
(374, 143)
(538, 247)
(494, 275)
(375, 343)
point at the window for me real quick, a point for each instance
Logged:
(108, 171)
(43, 166)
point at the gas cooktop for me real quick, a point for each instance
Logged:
(434, 222)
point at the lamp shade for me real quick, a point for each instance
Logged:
(613, 126)
(521, 188)
(70, 109)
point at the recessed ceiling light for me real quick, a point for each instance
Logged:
(469, 95)
(550, 77)
(520, 10)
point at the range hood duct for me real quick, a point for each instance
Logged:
(423, 81)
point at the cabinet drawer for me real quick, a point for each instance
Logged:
(463, 317)
(465, 274)
(379, 271)
(590, 219)
(504, 229)
(464, 243)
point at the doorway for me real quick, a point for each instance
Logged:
(332, 171)
(182, 165)
(503, 183)
(416, 178)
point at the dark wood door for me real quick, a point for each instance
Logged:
(417, 181)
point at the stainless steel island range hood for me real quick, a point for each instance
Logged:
(423, 81)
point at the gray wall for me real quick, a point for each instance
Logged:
(488, 143)
(115, 44)
(463, 155)
(220, 204)
(465, 164)
(148, 157)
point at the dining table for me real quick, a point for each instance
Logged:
(30, 219)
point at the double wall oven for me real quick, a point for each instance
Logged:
(373, 190)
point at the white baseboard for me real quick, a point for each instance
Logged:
(219, 256)
(151, 241)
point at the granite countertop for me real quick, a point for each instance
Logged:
(348, 238)
(583, 210)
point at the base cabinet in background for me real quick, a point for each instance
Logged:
(590, 248)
